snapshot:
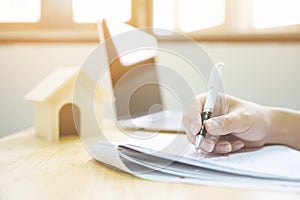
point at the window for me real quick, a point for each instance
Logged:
(200, 14)
(89, 11)
(58, 20)
(229, 19)
(188, 15)
(12, 11)
(275, 13)
(74, 20)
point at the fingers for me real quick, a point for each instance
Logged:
(224, 126)
(191, 124)
(223, 145)
(192, 120)
(227, 146)
(228, 123)
(208, 144)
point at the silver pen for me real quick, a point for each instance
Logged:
(214, 83)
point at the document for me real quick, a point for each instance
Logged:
(171, 158)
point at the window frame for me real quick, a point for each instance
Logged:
(241, 30)
(49, 30)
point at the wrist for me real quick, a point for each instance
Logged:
(284, 127)
(274, 132)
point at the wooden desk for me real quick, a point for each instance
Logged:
(32, 168)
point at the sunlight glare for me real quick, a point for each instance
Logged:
(200, 14)
(163, 16)
(275, 13)
(89, 11)
(14, 11)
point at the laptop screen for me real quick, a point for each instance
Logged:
(136, 88)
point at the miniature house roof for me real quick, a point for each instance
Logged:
(55, 80)
(132, 45)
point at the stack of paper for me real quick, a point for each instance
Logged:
(170, 157)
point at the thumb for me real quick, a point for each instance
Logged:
(226, 124)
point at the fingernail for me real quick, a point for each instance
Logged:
(238, 145)
(224, 148)
(208, 146)
(212, 124)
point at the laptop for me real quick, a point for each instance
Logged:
(138, 100)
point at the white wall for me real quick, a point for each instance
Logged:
(22, 67)
(267, 73)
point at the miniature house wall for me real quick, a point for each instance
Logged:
(58, 112)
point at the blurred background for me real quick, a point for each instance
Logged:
(258, 40)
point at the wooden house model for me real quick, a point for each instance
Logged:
(59, 111)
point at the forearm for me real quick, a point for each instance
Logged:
(284, 127)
